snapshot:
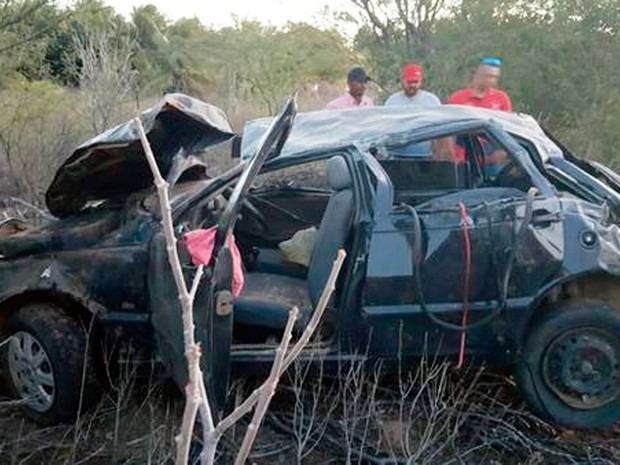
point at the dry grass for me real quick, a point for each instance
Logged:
(134, 423)
(432, 415)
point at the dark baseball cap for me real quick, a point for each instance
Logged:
(357, 75)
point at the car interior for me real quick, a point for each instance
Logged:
(450, 165)
(315, 195)
(320, 195)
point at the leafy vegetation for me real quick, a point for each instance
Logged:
(562, 64)
(561, 57)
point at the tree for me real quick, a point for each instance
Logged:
(267, 62)
(85, 18)
(24, 27)
(13, 13)
(106, 76)
(38, 130)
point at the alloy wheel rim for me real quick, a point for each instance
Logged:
(31, 371)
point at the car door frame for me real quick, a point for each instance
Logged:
(388, 323)
(213, 325)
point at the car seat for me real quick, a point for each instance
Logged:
(267, 298)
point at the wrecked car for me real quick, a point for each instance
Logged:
(470, 234)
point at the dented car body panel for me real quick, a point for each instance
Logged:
(111, 166)
(525, 250)
(329, 130)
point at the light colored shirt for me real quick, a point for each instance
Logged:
(422, 98)
(346, 100)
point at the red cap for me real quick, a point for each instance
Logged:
(412, 73)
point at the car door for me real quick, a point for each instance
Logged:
(213, 303)
(429, 254)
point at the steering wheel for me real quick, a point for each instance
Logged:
(250, 210)
(255, 214)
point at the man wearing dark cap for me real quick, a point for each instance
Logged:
(482, 91)
(357, 80)
(412, 93)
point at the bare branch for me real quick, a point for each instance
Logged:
(249, 403)
(196, 283)
(106, 76)
(396, 20)
(330, 285)
(195, 390)
(268, 390)
(370, 9)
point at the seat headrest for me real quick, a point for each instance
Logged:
(338, 175)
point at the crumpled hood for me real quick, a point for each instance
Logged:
(112, 165)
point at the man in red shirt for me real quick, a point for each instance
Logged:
(482, 91)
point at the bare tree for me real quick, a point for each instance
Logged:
(37, 131)
(106, 76)
(197, 401)
(410, 21)
(315, 401)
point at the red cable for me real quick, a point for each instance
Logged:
(466, 282)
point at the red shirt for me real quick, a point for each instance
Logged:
(493, 99)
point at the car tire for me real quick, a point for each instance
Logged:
(48, 365)
(569, 372)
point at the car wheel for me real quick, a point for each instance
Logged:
(570, 367)
(47, 364)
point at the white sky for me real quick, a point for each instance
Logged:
(220, 13)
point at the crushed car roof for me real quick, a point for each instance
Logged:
(112, 165)
(324, 130)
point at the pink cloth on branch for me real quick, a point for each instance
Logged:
(200, 246)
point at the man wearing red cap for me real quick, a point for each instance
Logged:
(412, 93)
(482, 91)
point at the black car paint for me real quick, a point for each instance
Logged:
(111, 166)
(377, 313)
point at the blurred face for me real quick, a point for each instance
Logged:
(411, 87)
(357, 89)
(487, 77)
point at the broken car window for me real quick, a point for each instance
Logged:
(310, 175)
(450, 164)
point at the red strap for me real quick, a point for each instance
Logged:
(465, 219)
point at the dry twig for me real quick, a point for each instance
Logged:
(197, 401)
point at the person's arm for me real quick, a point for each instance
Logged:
(446, 149)
(454, 98)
